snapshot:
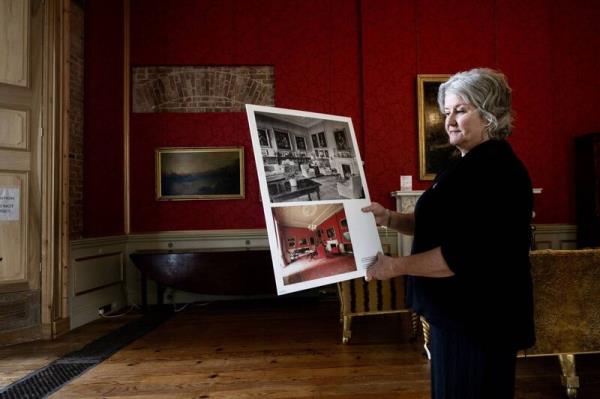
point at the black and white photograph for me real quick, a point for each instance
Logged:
(306, 172)
(312, 187)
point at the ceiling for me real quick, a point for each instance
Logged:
(304, 215)
(302, 121)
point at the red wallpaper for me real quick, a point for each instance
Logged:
(103, 119)
(337, 56)
(574, 86)
(545, 48)
(297, 233)
(333, 222)
(314, 48)
(341, 229)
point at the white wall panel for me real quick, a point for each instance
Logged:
(14, 42)
(14, 126)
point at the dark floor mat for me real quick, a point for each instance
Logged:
(50, 378)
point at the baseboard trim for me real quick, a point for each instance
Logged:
(61, 326)
(556, 236)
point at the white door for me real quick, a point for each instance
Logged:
(20, 159)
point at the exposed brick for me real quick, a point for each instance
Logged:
(201, 89)
(76, 121)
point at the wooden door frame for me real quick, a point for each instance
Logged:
(55, 263)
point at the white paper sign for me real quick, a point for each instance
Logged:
(405, 183)
(9, 203)
(313, 187)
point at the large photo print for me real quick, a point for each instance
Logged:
(319, 171)
(312, 187)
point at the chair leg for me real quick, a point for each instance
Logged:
(414, 319)
(347, 334)
(425, 325)
(569, 377)
(341, 297)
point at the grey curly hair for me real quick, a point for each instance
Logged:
(489, 92)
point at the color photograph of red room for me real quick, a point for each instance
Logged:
(314, 241)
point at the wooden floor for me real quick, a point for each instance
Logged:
(16, 361)
(289, 349)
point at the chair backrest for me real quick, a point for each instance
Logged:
(566, 300)
(361, 297)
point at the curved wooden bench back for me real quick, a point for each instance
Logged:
(219, 273)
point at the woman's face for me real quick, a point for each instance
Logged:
(465, 127)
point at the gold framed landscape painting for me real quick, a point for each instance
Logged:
(434, 148)
(201, 173)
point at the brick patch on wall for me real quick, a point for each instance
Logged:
(201, 88)
(76, 122)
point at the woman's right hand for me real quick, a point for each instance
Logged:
(382, 215)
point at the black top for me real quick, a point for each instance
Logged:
(479, 212)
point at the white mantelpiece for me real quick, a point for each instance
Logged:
(405, 203)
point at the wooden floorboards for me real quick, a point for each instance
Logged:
(289, 349)
(16, 361)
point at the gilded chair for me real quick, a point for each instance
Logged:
(566, 292)
(361, 298)
(566, 307)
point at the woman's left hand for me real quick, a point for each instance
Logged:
(385, 267)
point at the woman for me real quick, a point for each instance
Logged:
(469, 272)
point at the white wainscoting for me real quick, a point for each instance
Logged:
(546, 236)
(97, 277)
(555, 236)
(102, 273)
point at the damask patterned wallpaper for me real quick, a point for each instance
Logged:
(353, 58)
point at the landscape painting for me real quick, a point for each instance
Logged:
(199, 173)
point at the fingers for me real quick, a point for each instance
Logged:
(372, 208)
(373, 270)
(367, 208)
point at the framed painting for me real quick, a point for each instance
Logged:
(434, 149)
(263, 137)
(300, 143)
(315, 140)
(199, 173)
(322, 141)
(340, 140)
(282, 139)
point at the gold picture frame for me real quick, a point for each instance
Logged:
(434, 149)
(199, 173)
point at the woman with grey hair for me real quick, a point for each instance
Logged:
(469, 271)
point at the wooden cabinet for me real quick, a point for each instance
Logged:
(587, 189)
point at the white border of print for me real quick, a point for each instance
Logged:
(362, 227)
